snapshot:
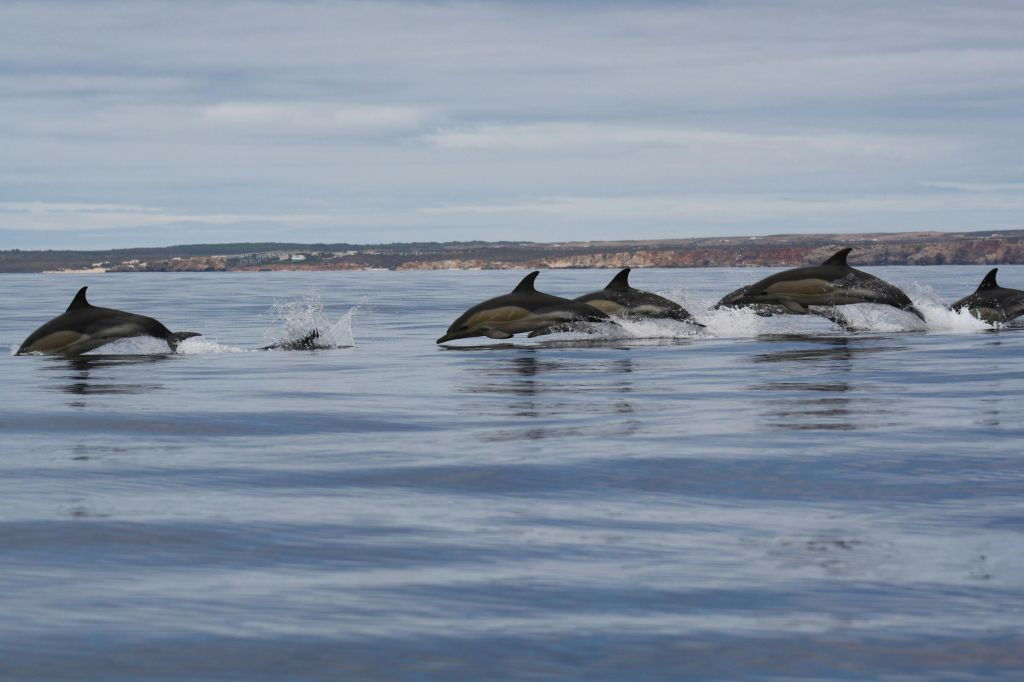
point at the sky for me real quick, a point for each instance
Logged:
(134, 123)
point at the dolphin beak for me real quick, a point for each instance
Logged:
(452, 336)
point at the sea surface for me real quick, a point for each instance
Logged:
(767, 499)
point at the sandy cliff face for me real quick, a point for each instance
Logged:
(751, 254)
(775, 251)
(194, 264)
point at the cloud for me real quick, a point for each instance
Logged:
(717, 208)
(979, 186)
(314, 118)
(343, 120)
(581, 136)
(46, 216)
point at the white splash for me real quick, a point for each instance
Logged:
(292, 320)
(650, 328)
(874, 317)
(148, 345)
(940, 318)
(198, 345)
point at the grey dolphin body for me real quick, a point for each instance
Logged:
(618, 298)
(830, 284)
(523, 310)
(991, 302)
(84, 327)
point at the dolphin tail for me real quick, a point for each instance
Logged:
(177, 337)
(684, 316)
(913, 309)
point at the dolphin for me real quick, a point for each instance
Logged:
(523, 310)
(83, 327)
(991, 302)
(310, 341)
(830, 284)
(618, 298)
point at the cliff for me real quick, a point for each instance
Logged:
(908, 248)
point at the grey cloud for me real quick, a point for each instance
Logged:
(392, 115)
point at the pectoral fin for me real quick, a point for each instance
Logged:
(497, 334)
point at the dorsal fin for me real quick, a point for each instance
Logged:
(619, 281)
(990, 280)
(79, 300)
(526, 286)
(839, 257)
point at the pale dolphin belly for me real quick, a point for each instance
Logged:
(69, 342)
(492, 316)
(793, 288)
(607, 307)
(56, 342)
(505, 325)
(820, 292)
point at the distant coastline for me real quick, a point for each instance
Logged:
(898, 248)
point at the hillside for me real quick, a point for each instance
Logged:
(905, 248)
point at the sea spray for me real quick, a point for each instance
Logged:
(297, 319)
(148, 345)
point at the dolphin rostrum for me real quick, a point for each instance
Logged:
(620, 299)
(523, 310)
(83, 327)
(991, 302)
(830, 284)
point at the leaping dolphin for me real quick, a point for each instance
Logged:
(620, 299)
(523, 310)
(991, 302)
(84, 327)
(830, 284)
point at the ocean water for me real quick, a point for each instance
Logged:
(768, 499)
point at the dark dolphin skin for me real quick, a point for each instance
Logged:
(84, 327)
(830, 284)
(523, 310)
(991, 302)
(618, 298)
(310, 341)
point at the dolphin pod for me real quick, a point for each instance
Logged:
(815, 289)
(84, 327)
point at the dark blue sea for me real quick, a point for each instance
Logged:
(768, 499)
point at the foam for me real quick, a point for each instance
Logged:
(198, 345)
(147, 345)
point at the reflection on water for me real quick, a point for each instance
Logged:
(812, 403)
(989, 409)
(540, 388)
(83, 375)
